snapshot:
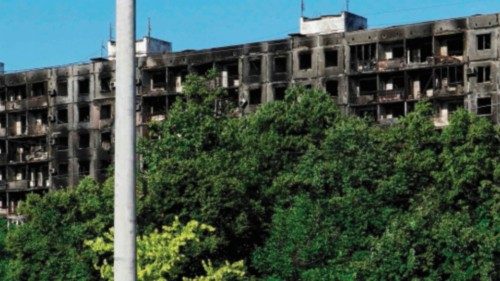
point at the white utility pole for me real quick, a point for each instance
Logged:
(125, 153)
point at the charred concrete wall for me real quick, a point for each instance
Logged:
(56, 124)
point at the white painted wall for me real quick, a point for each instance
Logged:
(332, 24)
(144, 47)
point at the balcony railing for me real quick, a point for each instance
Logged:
(18, 185)
(37, 130)
(390, 95)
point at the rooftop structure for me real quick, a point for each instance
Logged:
(147, 46)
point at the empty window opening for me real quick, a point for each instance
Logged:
(84, 113)
(16, 92)
(279, 93)
(369, 113)
(63, 169)
(84, 140)
(280, 65)
(419, 50)
(61, 142)
(365, 52)
(255, 65)
(483, 74)
(106, 141)
(455, 105)
(305, 60)
(392, 50)
(255, 96)
(159, 79)
(84, 168)
(38, 89)
(391, 111)
(62, 115)
(367, 86)
(484, 41)
(105, 165)
(331, 58)
(62, 88)
(332, 87)
(105, 111)
(484, 106)
(105, 84)
(84, 87)
(452, 45)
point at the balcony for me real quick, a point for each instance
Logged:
(364, 66)
(37, 102)
(392, 64)
(15, 105)
(37, 130)
(37, 156)
(390, 95)
(18, 185)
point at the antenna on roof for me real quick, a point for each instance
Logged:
(149, 27)
(110, 32)
(302, 8)
(103, 48)
(347, 5)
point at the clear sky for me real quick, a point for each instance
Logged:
(40, 33)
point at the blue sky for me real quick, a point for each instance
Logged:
(39, 33)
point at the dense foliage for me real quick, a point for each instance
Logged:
(297, 190)
(160, 254)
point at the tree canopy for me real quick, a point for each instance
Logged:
(297, 190)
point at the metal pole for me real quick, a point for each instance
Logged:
(125, 154)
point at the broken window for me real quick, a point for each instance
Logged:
(106, 141)
(38, 89)
(419, 49)
(280, 65)
(331, 58)
(62, 88)
(332, 87)
(105, 111)
(451, 45)
(484, 41)
(255, 65)
(393, 50)
(158, 79)
(456, 75)
(84, 113)
(84, 168)
(17, 92)
(363, 52)
(484, 106)
(279, 93)
(62, 168)
(62, 115)
(105, 164)
(368, 86)
(105, 84)
(84, 140)
(61, 142)
(84, 87)
(483, 74)
(305, 60)
(255, 96)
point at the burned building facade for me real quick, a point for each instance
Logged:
(56, 124)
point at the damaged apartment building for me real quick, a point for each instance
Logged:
(56, 124)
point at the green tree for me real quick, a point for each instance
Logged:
(160, 254)
(50, 245)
